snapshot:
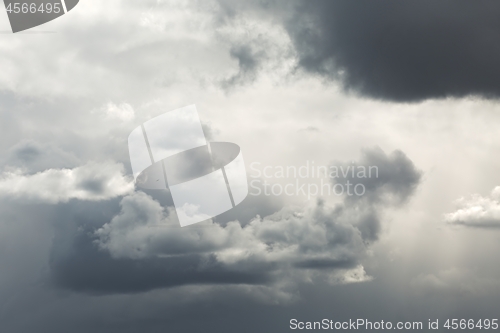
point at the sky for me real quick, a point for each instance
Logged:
(410, 88)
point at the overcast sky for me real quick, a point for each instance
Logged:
(409, 87)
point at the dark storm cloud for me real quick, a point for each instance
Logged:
(401, 50)
(93, 271)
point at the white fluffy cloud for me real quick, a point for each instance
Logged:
(92, 181)
(477, 211)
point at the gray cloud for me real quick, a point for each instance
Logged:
(404, 51)
(386, 179)
(92, 181)
(154, 252)
(145, 242)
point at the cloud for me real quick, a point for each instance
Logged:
(477, 211)
(403, 51)
(279, 251)
(143, 230)
(391, 178)
(387, 179)
(93, 181)
(297, 244)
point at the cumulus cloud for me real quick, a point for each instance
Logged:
(291, 242)
(477, 211)
(293, 245)
(143, 229)
(93, 181)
